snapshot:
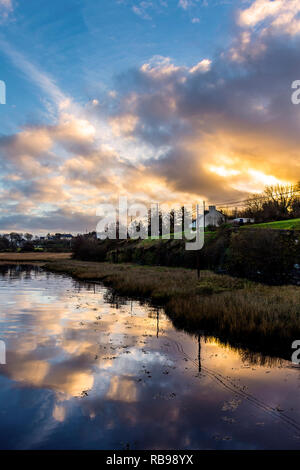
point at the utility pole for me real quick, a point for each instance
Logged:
(157, 214)
(197, 229)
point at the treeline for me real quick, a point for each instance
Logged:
(278, 202)
(14, 242)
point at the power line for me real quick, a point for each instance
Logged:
(242, 202)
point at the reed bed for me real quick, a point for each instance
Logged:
(240, 311)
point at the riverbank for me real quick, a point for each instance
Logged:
(240, 312)
(33, 257)
(264, 256)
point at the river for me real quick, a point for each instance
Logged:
(88, 370)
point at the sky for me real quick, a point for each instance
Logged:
(169, 101)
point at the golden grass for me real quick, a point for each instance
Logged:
(150, 281)
(35, 256)
(237, 310)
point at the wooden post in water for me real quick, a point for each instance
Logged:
(199, 352)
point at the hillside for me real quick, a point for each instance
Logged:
(292, 224)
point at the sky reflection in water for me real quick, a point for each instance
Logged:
(86, 371)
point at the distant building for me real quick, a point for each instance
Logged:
(212, 217)
(243, 220)
(57, 236)
(66, 236)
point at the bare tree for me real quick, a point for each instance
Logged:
(276, 202)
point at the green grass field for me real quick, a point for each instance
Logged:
(292, 224)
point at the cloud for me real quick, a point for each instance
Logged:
(6, 8)
(124, 124)
(281, 16)
(159, 66)
(142, 9)
(215, 130)
(42, 80)
(220, 128)
(185, 4)
(202, 66)
(61, 220)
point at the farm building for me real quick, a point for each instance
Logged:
(212, 217)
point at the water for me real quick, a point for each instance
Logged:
(88, 371)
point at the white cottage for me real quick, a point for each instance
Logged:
(212, 217)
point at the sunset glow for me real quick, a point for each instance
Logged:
(83, 125)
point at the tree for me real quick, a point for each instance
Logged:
(253, 207)
(28, 246)
(280, 198)
(277, 202)
(15, 239)
(4, 243)
(296, 208)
